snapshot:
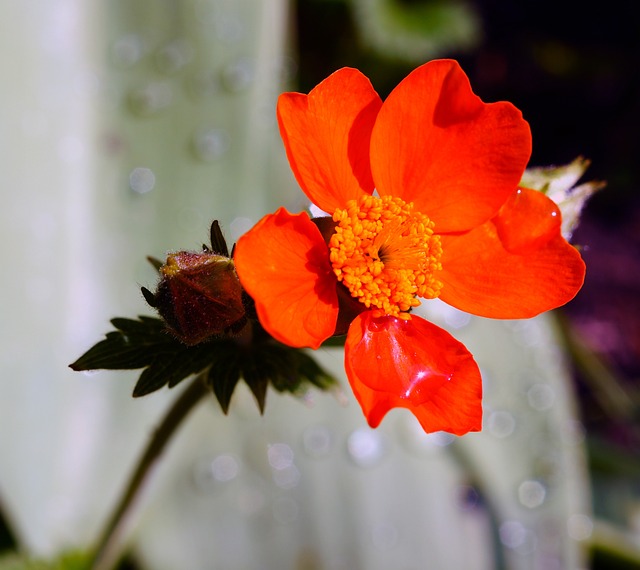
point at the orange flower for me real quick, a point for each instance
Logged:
(447, 220)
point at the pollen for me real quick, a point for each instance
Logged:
(386, 254)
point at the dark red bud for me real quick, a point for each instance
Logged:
(199, 295)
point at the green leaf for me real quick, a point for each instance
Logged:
(418, 30)
(67, 561)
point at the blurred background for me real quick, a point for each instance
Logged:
(127, 126)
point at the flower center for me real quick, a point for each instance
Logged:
(385, 254)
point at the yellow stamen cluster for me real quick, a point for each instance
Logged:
(386, 254)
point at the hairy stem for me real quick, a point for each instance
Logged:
(107, 550)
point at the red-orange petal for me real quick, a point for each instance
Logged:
(393, 363)
(515, 266)
(527, 220)
(283, 264)
(436, 144)
(326, 135)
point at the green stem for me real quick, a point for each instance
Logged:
(106, 552)
(606, 386)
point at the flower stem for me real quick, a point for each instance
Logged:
(107, 550)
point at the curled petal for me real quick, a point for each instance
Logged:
(527, 220)
(413, 364)
(436, 144)
(283, 264)
(326, 135)
(515, 266)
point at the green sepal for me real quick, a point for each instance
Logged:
(291, 369)
(258, 384)
(149, 297)
(335, 341)
(135, 344)
(146, 343)
(310, 370)
(256, 373)
(169, 369)
(218, 243)
(224, 373)
(157, 264)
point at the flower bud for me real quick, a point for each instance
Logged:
(199, 295)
